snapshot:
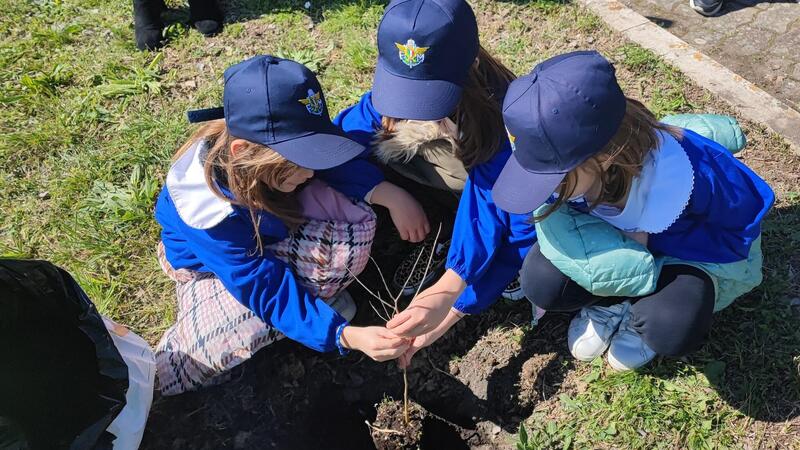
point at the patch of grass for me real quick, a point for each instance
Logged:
(643, 410)
(664, 84)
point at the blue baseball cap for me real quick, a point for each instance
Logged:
(558, 116)
(279, 103)
(425, 51)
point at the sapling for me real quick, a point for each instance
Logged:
(392, 308)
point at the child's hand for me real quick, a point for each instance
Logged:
(407, 214)
(429, 308)
(378, 343)
(427, 339)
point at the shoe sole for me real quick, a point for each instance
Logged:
(619, 367)
(616, 365)
(703, 12)
(587, 358)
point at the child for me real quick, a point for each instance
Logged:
(682, 198)
(230, 215)
(434, 110)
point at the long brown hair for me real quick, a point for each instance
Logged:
(620, 161)
(251, 175)
(478, 114)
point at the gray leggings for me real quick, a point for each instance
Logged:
(674, 320)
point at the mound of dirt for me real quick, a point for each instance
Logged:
(390, 430)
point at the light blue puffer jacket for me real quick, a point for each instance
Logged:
(605, 262)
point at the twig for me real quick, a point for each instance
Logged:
(372, 305)
(440, 370)
(380, 272)
(413, 268)
(383, 430)
(405, 396)
(368, 289)
(383, 306)
(430, 260)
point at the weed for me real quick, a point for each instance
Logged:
(47, 84)
(306, 56)
(139, 80)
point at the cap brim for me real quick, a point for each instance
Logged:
(406, 98)
(519, 191)
(318, 151)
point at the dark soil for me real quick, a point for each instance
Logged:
(390, 430)
(477, 383)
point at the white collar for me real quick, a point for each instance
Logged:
(659, 194)
(195, 202)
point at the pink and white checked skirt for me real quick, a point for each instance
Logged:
(213, 332)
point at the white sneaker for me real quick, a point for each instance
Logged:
(344, 304)
(590, 332)
(627, 350)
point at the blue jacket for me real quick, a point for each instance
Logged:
(723, 216)
(701, 203)
(204, 233)
(488, 244)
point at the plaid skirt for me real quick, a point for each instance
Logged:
(213, 332)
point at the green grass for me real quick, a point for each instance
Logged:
(88, 125)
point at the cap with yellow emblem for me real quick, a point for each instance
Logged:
(425, 51)
(279, 103)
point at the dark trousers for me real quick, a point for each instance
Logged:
(674, 320)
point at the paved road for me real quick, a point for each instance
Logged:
(758, 40)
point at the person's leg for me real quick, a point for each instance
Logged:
(591, 330)
(676, 319)
(193, 353)
(147, 23)
(706, 7)
(205, 16)
(547, 288)
(673, 321)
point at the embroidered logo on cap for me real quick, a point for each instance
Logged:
(313, 102)
(410, 54)
(511, 139)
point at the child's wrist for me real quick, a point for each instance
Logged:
(344, 337)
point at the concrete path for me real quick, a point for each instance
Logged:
(758, 40)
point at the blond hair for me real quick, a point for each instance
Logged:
(252, 175)
(478, 114)
(620, 161)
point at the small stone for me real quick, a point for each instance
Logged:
(189, 84)
(201, 66)
(307, 5)
(590, 40)
(700, 41)
(44, 195)
(455, 369)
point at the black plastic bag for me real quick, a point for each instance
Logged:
(62, 380)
